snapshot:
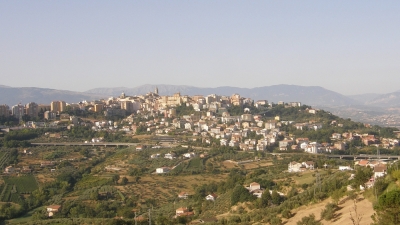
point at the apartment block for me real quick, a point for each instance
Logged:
(4, 110)
(57, 106)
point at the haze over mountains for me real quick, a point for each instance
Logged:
(310, 95)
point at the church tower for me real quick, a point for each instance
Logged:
(156, 90)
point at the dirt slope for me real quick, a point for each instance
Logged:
(364, 207)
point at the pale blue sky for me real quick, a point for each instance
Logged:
(351, 47)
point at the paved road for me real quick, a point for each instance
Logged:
(85, 144)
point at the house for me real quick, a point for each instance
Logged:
(155, 156)
(342, 168)
(189, 155)
(243, 147)
(363, 162)
(27, 151)
(294, 167)
(183, 195)
(52, 209)
(302, 140)
(258, 193)
(254, 186)
(223, 142)
(9, 169)
(260, 147)
(162, 170)
(139, 148)
(369, 139)
(312, 111)
(313, 147)
(169, 155)
(183, 211)
(294, 147)
(211, 197)
(339, 145)
(284, 144)
(26, 169)
(233, 143)
(309, 165)
(336, 136)
(380, 170)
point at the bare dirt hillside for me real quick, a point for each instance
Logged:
(364, 207)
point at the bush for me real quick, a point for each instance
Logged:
(329, 212)
(308, 220)
(286, 214)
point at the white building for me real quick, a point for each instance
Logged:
(162, 170)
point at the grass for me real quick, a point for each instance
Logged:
(195, 163)
(24, 184)
(27, 217)
(307, 177)
(91, 181)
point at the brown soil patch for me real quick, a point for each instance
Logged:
(228, 164)
(249, 166)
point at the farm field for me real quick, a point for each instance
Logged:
(195, 164)
(15, 186)
(306, 177)
(164, 187)
(23, 184)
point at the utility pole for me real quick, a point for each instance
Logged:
(317, 183)
(149, 216)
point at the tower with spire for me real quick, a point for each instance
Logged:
(156, 90)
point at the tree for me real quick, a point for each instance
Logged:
(124, 181)
(286, 213)
(308, 220)
(265, 199)
(115, 178)
(241, 194)
(275, 198)
(362, 175)
(355, 217)
(329, 212)
(137, 179)
(388, 208)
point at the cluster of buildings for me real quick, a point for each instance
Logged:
(33, 109)
(295, 167)
(213, 122)
(379, 170)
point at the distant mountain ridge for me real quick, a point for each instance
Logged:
(14, 95)
(387, 100)
(310, 95)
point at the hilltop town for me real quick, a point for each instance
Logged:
(185, 159)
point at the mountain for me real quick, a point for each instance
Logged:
(14, 95)
(363, 98)
(310, 95)
(386, 100)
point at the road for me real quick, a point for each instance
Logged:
(105, 144)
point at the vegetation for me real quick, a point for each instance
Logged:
(98, 182)
(309, 220)
(387, 208)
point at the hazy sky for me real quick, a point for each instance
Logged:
(351, 47)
